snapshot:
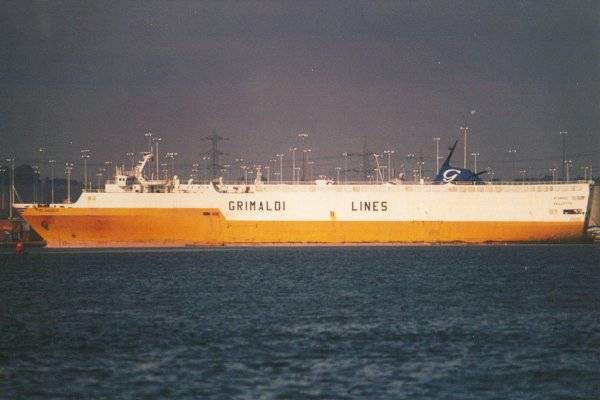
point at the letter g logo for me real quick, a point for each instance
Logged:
(450, 175)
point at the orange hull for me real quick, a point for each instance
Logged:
(100, 227)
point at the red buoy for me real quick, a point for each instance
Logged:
(20, 248)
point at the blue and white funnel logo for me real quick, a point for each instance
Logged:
(449, 174)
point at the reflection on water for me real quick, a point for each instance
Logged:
(376, 322)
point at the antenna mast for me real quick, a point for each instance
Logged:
(379, 175)
(365, 155)
(215, 153)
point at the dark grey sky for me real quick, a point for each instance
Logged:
(98, 75)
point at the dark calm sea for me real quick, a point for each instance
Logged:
(431, 322)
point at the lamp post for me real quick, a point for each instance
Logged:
(305, 155)
(172, 156)
(149, 136)
(553, 172)
(293, 151)
(68, 170)
(52, 162)
(420, 164)
(195, 171)
(389, 166)
(40, 167)
(567, 166)
(475, 155)
(245, 171)
(11, 197)
(383, 168)
(523, 173)
(408, 158)
(102, 171)
(257, 168)
(98, 180)
(280, 167)
(337, 171)
(238, 162)
(2, 171)
(563, 134)
(465, 131)
(303, 136)
(85, 154)
(206, 159)
(585, 172)
(36, 175)
(490, 173)
(512, 152)
(109, 169)
(157, 141)
(345, 154)
(272, 163)
(132, 155)
(437, 154)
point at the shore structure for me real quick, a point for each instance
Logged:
(133, 211)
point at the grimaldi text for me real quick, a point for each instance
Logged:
(257, 206)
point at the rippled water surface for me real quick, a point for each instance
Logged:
(469, 322)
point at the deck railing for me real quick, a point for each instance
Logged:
(358, 183)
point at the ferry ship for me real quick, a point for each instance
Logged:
(456, 207)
